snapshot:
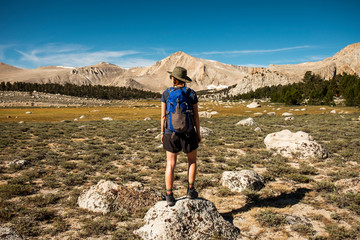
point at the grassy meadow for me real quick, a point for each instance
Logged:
(64, 157)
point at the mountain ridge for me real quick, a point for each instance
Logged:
(203, 72)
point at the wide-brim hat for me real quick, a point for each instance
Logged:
(181, 74)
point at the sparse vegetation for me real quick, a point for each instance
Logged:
(65, 158)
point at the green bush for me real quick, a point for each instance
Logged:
(8, 191)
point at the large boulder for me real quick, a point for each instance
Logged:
(108, 196)
(246, 122)
(7, 233)
(287, 143)
(238, 181)
(188, 219)
(100, 197)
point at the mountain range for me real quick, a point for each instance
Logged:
(206, 74)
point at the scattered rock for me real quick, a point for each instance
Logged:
(108, 196)
(271, 113)
(253, 105)
(322, 108)
(247, 122)
(303, 109)
(99, 198)
(286, 114)
(289, 118)
(7, 233)
(17, 163)
(82, 117)
(300, 143)
(333, 111)
(107, 119)
(257, 129)
(158, 136)
(151, 130)
(204, 114)
(204, 131)
(239, 180)
(350, 185)
(21, 122)
(147, 119)
(28, 112)
(75, 119)
(213, 112)
(297, 220)
(188, 219)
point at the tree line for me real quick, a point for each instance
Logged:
(313, 90)
(90, 91)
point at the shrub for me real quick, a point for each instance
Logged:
(269, 218)
(8, 191)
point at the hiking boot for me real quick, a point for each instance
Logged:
(170, 199)
(192, 193)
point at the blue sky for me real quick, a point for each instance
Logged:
(128, 33)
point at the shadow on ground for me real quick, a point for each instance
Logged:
(281, 201)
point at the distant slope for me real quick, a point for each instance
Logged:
(203, 72)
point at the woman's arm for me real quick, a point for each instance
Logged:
(163, 111)
(197, 121)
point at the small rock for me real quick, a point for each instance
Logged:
(322, 108)
(333, 111)
(76, 119)
(253, 105)
(205, 114)
(239, 180)
(271, 113)
(303, 109)
(257, 129)
(213, 112)
(107, 119)
(17, 163)
(28, 112)
(82, 117)
(289, 118)
(204, 131)
(286, 114)
(246, 122)
(7, 233)
(21, 122)
(147, 119)
(151, 130)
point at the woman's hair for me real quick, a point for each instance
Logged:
(177, 81)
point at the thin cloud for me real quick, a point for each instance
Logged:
(254, 65)
(73, 55)
(255, 51)
(3, 48)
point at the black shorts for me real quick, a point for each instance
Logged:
(175, 142)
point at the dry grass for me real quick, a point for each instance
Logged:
(64, 158)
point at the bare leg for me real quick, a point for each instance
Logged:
(169, 173)
(192, 167)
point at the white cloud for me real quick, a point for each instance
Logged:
(3, 48)
(255, 51)
(78, 55)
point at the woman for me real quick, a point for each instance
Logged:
(174, 142)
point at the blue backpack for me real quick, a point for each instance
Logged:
(179, 112)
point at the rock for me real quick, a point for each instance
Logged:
(188, 219)
(107, 119)
(158, 136)
(213, 112)
(204, 131)
(82, 117)
(75, 119)
(17, 163)
(239, 180)
(350, 185)
(21, 122)
(297, 220)
(151, 130)
(28, 112)
(271, 113)
(7, 233)
(300, 143)
(108, 196)
(333, 111)
(322, 108)
(253, 105)
(303, 109)
(257, 129)
(204, 114)
(247, 122)
(99, 198)
(147, 119)
(289, 118)
(286, 114)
